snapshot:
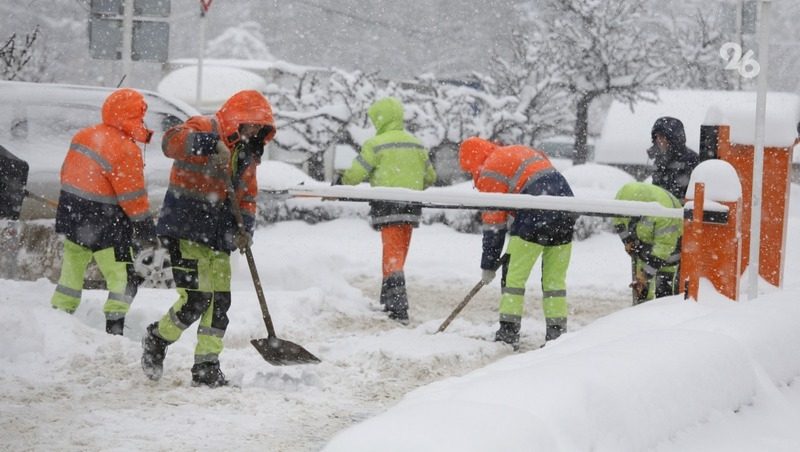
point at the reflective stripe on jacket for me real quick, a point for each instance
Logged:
(660, 235)
(392, 158)
(510, 169)
(196, 206)
(102, 177)
(520, 169)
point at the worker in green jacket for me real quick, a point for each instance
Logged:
(392, 158)
(654, 243)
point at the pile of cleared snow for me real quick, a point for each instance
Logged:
(634, 380)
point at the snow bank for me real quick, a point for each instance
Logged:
(629, 381)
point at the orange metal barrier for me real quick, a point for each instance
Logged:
(715, 143)
(711, 249)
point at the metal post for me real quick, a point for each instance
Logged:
(199, 94)
(127, 38)
(758, 157)
(739, 34)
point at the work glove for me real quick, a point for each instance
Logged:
(487, 275)
(221, 158)
(633, 247)
(639, 284)
(629, 245)
(242, 240)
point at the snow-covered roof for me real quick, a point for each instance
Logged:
(626, 132)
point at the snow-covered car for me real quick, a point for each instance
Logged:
(38, 120)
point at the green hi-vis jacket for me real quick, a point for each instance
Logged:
(656, 239)
(393, 157)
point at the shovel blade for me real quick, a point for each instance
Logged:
(279, 352)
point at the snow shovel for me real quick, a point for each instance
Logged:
(457, 310)
(275, 351)
(460, 306)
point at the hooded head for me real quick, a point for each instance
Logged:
(672, 129)
(245, 107)
(125, 109)
(473, 152)
(386, 114)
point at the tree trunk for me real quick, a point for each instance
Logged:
(316, 166)
(582, 128)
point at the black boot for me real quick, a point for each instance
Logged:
(154, 351)
(208, 374)
(394, 297)
(555, 328)
(115, 326)
(508, 333)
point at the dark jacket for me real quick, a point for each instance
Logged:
(674, 167)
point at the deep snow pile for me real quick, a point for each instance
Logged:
(635, 380)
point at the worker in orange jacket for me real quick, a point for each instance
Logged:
(520, 169)
(103, 209)
(199, 228)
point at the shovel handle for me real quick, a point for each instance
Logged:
(260, 292)
(262, 300)
(460, 306)
(503, 261)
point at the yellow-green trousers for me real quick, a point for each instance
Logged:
(203, 278)
(114, 264)
(522, 256)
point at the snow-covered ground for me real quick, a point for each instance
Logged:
(668, 375)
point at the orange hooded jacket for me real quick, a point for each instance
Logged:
(196, 206)
(501, 169)
(102, 178)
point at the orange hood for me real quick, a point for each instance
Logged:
(244, 107)
(124, 109)
(473, 153)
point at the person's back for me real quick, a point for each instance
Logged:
(392, 158)
(673, 161)
(103, 210)
(520, 169)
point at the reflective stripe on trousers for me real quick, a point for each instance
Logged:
(522, 256)
(203, 278)
(115, 266)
